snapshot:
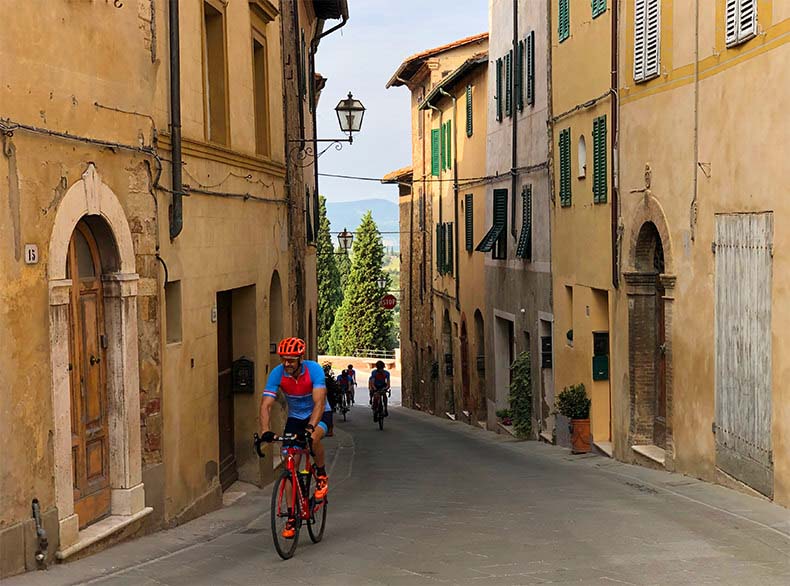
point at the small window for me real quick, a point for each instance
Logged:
(260, 92)
(469, 121)
(469, 221)
(599, 160)
(647, 39)
(435, 151)
(173, 311)
(598, 8)
(582, 158)
(214, 74)
(495, 240)
(741, 21)
(565, 167)
(498, 89)
(564, 16)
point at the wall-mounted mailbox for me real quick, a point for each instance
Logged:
(545, 352)
(600, 368)
(243, 375)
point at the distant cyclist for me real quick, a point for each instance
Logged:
(303, 384)
(352, 378)
(379, 381)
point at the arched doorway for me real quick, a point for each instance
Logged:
(648, 339)
(465, 375)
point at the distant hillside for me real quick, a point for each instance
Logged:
(348, 214)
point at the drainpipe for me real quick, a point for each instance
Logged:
(615, 150)
(455, 198)
(177, 211)
(41, 534)
(514, 113)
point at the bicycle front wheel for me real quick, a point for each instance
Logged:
(285, 546)
(381, 417)
(317, 524)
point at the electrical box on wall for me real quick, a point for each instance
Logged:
(243, 375)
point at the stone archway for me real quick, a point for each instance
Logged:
(93, 202)
(650, 288)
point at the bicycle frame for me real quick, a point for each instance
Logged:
(291, 453)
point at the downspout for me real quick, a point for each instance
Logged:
(177, 210)
(513, 111)
(455, 198)
(693, 208)
(615, 151)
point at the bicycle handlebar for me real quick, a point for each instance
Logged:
(305, 440)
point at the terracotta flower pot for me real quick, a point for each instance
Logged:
(581, 441)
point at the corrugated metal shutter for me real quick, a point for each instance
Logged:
(498, 96)
(524, 248)
(653, 39)
(469, 121)
(598, 7)
(531, 68)
(435, 152)
(469, 221)
(565, 167)
(599, 160)
(743, 349)
(564, 16)
(509, 83)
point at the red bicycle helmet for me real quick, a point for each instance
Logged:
(291, 347)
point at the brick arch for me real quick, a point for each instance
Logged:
(652, 213)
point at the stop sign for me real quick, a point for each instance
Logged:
(389, 301)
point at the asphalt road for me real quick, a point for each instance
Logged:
(429, 501)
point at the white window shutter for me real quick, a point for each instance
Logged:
(653, 39)
(639, 39)
(747, 25)
(731, 26)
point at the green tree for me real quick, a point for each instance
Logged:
(361, 321)
(343, 262)
(330, 295)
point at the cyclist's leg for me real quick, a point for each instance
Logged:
(318, 449)
(384, 398)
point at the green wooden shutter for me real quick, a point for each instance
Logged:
(469, 221)
(564, 20)
(500, 219)
(498, 96)
(520, 76)
(509, 83)
(598, 7)
(435, 152)
(449, 263)
(442, 147)
(449, 143)
(599, 160)
(524, 249)
(565, 167)
(469, 110)
(531, 68)
(439, 244)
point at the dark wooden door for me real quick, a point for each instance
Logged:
(89, 426)
(660, 423)
(227, 455)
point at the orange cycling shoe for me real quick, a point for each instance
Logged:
(290, 529)
(321, 487)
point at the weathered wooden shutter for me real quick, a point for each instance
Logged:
(598, 7)
(509, 83)
(731, 20)
(520, 76)
(531, 68)
(500, 218)
(599, 160)
(741, 21)
(469, 221)
(564, 15)
(499, 223)
(435, 152)
(640, 12)
(469, 121)
(565, 167)
(449, 260)
(443, 147)
(449, 143)
(653, 39)
(439, 247)
(524, 248)
(743, 349)
(498, 96)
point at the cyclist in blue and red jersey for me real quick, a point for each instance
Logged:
(379, 381)
(304, 385)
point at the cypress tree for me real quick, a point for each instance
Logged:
(329, 293)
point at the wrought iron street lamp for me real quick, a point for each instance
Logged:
(350, 113)
(345, 238)
(381, 282)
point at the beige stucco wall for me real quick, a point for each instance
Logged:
(742, 161)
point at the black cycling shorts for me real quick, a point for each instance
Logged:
(297, 426)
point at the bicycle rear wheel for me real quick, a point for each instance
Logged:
(317, 524)
(285, 547)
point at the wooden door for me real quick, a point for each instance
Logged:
(743, 349)
(660, 419)
(465, 383)
(227, 456)
(89, 434)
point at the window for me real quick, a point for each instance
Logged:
(260, 96)
(469, 221)
(469, 128)
(448, 261)
(565, 167)
(495, 240)
(524, 248)
(582, 156)
(509, 84)
(598, 7)
(498, 94)
(520, 76)
(741, 21)
(564, 15)
(214, 74)
(444, 248)
(173, 311)
(647, 39)
(599, 160)
(435, 151)
(531, 68)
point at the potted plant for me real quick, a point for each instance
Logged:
(505, 416)
(574, 404)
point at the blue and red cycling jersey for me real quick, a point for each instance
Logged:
(298, 391)
(380, 379)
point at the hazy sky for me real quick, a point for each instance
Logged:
(361, 57)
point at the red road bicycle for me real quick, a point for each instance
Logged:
(295, 490)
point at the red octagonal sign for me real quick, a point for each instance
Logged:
(389, 302)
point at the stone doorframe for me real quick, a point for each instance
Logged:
(90, 196)
(641, 291)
